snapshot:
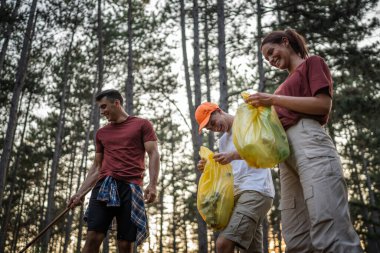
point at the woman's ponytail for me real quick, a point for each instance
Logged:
(297, 42)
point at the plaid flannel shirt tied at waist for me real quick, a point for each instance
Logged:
(108, 193)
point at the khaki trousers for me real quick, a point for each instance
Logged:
(314, 205)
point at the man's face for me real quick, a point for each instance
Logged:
(108, 109)
(217, 123)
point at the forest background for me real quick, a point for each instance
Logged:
(166, 57)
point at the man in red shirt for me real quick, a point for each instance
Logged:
(117, 176)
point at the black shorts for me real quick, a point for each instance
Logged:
(100, 215)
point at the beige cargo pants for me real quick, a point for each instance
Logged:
(314, 205)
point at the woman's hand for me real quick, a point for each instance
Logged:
(260, 99)
(318, 105)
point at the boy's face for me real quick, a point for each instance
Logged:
(217, 123)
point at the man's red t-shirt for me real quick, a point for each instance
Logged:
(309, 79)
(123, 149)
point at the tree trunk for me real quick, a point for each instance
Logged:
(42, 200)
(223, 102)
(174, 190)
(373, 243)
(197, 138)
(196, 61)
(161, 225)
(259, 54)
(279, 16)
(82, 171)
(211, 138)
(174, 223)
(130, 82)
(202, 230)
(20, 80)
(80, 230)
(7, 215)
(16, 228)
(69, 220)
(7, 34)
(185, 60)
(185, 234)
(100, 65)
(58, 143)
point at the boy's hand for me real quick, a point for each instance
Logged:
(224, 158)
(201, 165)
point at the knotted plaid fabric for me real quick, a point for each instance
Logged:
(138, 215)
(108, 193)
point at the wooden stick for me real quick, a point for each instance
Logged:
(51, 224)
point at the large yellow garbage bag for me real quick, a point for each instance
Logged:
(259, 136)
(215, 200)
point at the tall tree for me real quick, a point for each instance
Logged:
(7, 34)
(223, 87)
(211, 138)
(58, 139)
(129, 81)
(100, 62)
(196, 140)
(7, 214)
(19, 83)
(260, 63)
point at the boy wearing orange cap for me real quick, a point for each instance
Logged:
(253, 187)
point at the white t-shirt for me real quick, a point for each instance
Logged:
(245, 177)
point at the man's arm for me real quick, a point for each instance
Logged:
(88, 183)
(154, 169)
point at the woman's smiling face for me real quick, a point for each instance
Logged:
(278, 55)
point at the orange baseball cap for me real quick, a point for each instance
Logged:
(203, 113)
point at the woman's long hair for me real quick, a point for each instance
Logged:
(296, 41)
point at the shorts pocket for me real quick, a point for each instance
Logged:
(245, 229)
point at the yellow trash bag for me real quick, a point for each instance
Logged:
(259, 136)
(215, 199)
